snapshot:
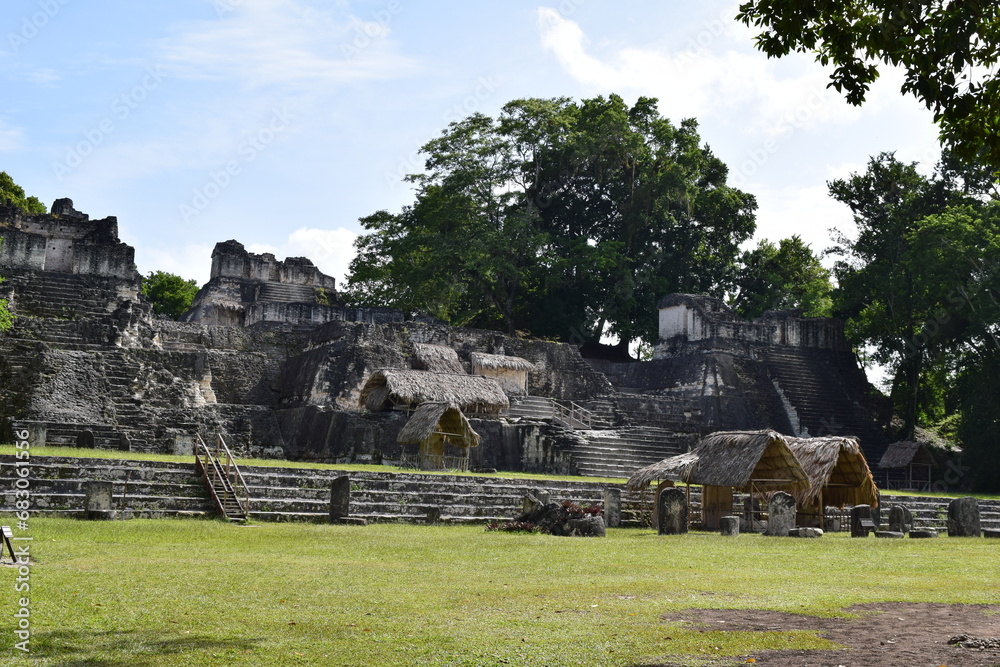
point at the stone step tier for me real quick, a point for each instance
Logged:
(620, 452)
(63, 295)
(155, 490)
(813, 386)
(286, 293)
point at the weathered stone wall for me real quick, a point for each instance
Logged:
(687, 319)
(230, 259)
(65, 241)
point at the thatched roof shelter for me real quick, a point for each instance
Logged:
(675, 469)
(741, 459)
(437, 421)
(838, 472)
(390, 388)
(903, 453)
(510, 372)
(497, 362)
(732, 458)
(437, 358)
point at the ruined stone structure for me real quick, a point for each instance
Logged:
(270, 357)
(796, 375)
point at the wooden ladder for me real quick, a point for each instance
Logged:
(223, 478)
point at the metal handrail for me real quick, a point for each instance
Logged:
(575, 411)
(232, 468)
(212, 471)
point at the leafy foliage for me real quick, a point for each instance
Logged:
(566, 219)
(948, 52)
(786, 276)
(920, 283)
(12, 193)
(169, 294)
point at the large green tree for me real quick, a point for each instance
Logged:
(779, 277)
(169, 294)
(948, 52)
(876, 273)
(569, 219)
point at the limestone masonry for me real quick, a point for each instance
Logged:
(270, 357)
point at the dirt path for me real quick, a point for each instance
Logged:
(885, 634)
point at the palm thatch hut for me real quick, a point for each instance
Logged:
(510, 372)
(391, 389)
(438, 428)
(838, 475)
(436, 358)
(908, 465)
(753, 462)
(675, 469)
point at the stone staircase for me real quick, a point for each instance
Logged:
(63, 295)
(283, 293)
(821, 402)
(620, 452)
(155, 490)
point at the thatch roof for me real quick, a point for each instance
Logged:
(472, 394)
(500, 362)
(437, 358)
(674, 468)
(437, 421)
(735, 458)
(903, 453)
(836, 467)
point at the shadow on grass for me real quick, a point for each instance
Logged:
(127, 648)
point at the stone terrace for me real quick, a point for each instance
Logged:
(155, 489)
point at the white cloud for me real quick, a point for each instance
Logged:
(191, 262)
(11, 138)
(289, 43)
(809, 212)
(331, 250)
(711, 77)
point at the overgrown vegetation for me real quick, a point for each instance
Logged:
(919, 284)
(156, 593)
(565, 219)
(13, 194)
(169, 294)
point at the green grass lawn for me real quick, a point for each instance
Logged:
(188, 592)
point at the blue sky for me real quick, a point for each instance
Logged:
(279, 123)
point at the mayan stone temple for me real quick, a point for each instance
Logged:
(270, 357)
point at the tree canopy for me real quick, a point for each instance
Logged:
(948, 52)
(169, 294)
(12, 193)
(567, 219)
(920, 284)
(781, 277)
